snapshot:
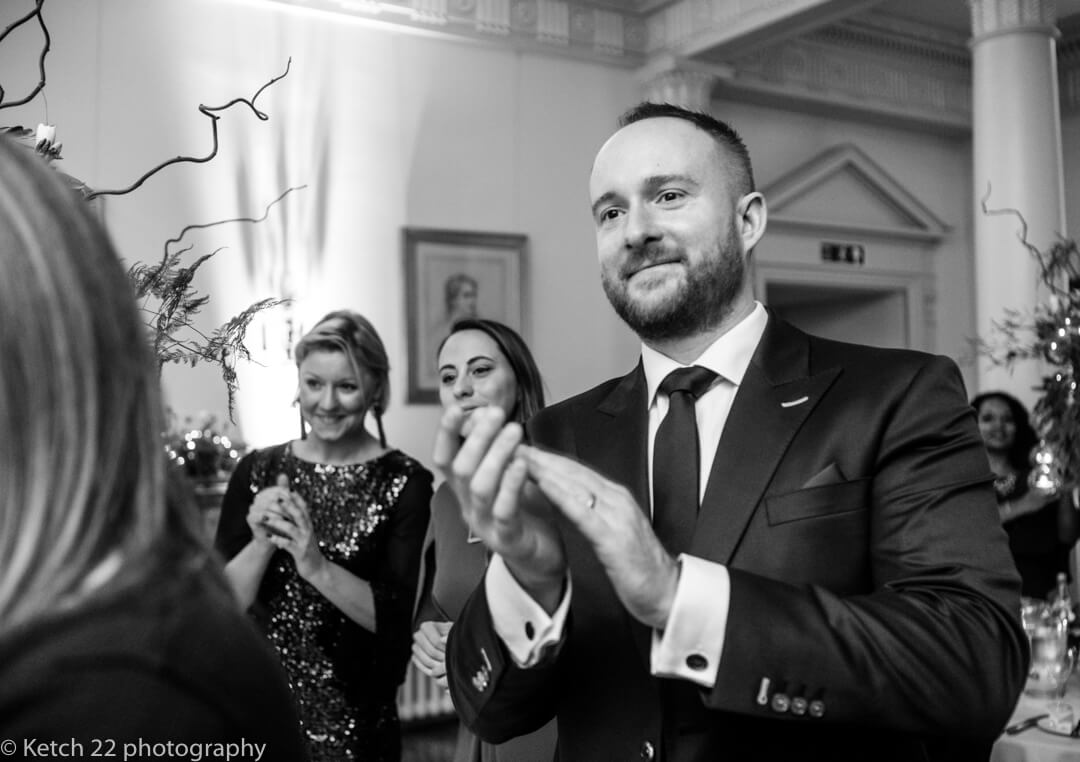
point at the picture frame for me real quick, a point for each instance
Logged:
(451, 274)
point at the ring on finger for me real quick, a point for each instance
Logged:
(590, 501)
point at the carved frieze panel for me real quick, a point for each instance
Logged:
(581, 29)
(680, 23)
(815, 68)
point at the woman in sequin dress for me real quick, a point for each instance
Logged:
(323, 537)
(1041, 525)
(480, 363)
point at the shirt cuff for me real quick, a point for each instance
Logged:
(520, 622)
(690, 646)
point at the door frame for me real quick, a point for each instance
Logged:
(919, 325)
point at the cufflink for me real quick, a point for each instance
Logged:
(697, 662)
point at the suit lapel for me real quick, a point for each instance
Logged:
(615, 445)
(768, 410)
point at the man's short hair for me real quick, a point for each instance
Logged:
(731, 144)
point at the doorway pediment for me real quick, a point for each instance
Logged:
(843, 190)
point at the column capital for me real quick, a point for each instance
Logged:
(688, 88)
(993, 17)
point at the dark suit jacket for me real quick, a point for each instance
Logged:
(453, 567)
(870, 576)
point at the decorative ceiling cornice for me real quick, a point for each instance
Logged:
(868, 62)
(575, 29)
(900, 37)
(723, 28)
(822, 76)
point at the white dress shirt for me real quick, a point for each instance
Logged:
(698, 618)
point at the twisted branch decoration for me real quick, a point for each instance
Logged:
(166, 254)
(1050, 267)
(36, 13)
(211, 113)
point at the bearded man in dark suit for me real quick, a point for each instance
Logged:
(805, 564)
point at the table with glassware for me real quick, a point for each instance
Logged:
(1041, 741)
(1045, 725)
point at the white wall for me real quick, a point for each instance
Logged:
(934, 168)
(387, 129)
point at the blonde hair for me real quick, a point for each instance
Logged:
(353, 334)
(81, 459)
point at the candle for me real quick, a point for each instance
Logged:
(46, 133)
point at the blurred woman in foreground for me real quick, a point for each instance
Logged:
(116, 626)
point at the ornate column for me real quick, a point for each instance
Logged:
(1017, 164)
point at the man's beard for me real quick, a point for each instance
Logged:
(700, 304)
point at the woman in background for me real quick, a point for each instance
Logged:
(116, 624)
(480, 363)
(1042, 526)
(323, 536)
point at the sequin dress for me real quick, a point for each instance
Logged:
(370, 518)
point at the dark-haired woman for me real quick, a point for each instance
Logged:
(1041, 525)
(323, 537)
(481, 363)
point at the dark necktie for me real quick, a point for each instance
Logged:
(677, 460)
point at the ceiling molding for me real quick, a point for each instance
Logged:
(880, 68)
(899, 37)
(569, 29)
(723, 28)
(864, 64)
(821, 73)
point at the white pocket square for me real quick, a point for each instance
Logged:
(831, 474)
(793, 403)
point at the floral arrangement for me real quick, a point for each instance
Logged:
(1050, 333)
(202, 448)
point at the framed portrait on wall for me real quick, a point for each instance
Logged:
(450, 275)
